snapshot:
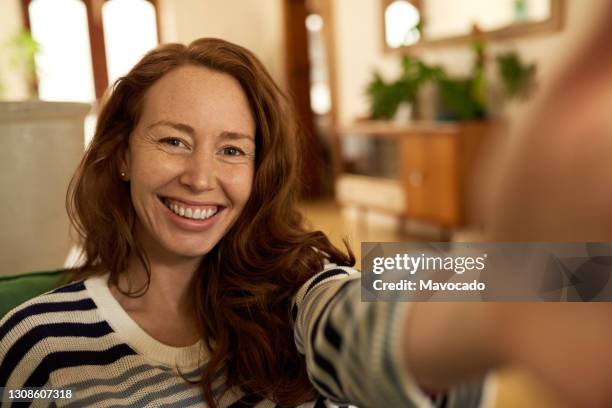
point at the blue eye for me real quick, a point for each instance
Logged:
(232, 151)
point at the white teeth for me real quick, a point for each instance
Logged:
(197, 214)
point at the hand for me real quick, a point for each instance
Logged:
(567, 345)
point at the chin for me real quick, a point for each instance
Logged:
(193, 252)
(190, 246)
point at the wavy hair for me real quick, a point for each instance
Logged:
(246, 282)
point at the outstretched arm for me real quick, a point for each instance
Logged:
(354, 349)
(437, 354)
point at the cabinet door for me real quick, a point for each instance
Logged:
(430, 177)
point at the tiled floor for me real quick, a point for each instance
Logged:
(515, 389)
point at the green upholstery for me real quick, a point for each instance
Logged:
(14, 290)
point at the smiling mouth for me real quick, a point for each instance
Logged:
(191, 212)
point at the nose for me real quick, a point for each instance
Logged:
(199, 173)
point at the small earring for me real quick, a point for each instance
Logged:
(122, 174)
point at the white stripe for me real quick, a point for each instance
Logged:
(489, 393)
(365, 347)
(312, 307)
(352, 273)
(397, 345)
(47, 298)
(96, 373)
(351, 360)
(36, 354)
(27, 324)
(194, 391)
(232, 395)
(136, 393)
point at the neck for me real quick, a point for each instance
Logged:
(170, 290)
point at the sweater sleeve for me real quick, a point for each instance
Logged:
(353, 348)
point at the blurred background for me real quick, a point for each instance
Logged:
(397, 99)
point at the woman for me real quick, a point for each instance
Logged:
(197, 264)
(201, 286)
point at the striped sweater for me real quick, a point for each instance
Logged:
(78, 337)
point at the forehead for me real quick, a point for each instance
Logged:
(205, 99)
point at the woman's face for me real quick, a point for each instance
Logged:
(190, 162)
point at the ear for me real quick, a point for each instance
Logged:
(124, 164)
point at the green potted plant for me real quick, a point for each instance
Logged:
(20, 50)
(386, 97)
(465, 98)
(458, 98)
(517, 77)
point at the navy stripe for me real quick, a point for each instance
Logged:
(321, 361)
(321, 385)
(294, 311)
(323, 276)
(72, 287)
(24, 404)
(325, 365)
(39, 333)
(40, 308)
(187, 402)
(247, 401)
(63, 359)
(134, 390)
(332, 335)
(320, 403)
(318, 279)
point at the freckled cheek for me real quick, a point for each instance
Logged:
(148, 177)
(238, 184)
(154, 171)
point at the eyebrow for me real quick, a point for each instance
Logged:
(183, 127)
(235, 136)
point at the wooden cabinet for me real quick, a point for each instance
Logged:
(435, 164)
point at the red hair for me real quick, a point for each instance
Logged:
(246, 282)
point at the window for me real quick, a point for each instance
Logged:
(402, 24)
(127, 39)
(87, 44)
(63, 66)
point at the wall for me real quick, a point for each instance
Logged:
(358, 42)
(254, 24)
(43, 144)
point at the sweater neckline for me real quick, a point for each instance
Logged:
(134, 335)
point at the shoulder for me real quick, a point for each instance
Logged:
(331, 273)
(40, 326)
(67, 298)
